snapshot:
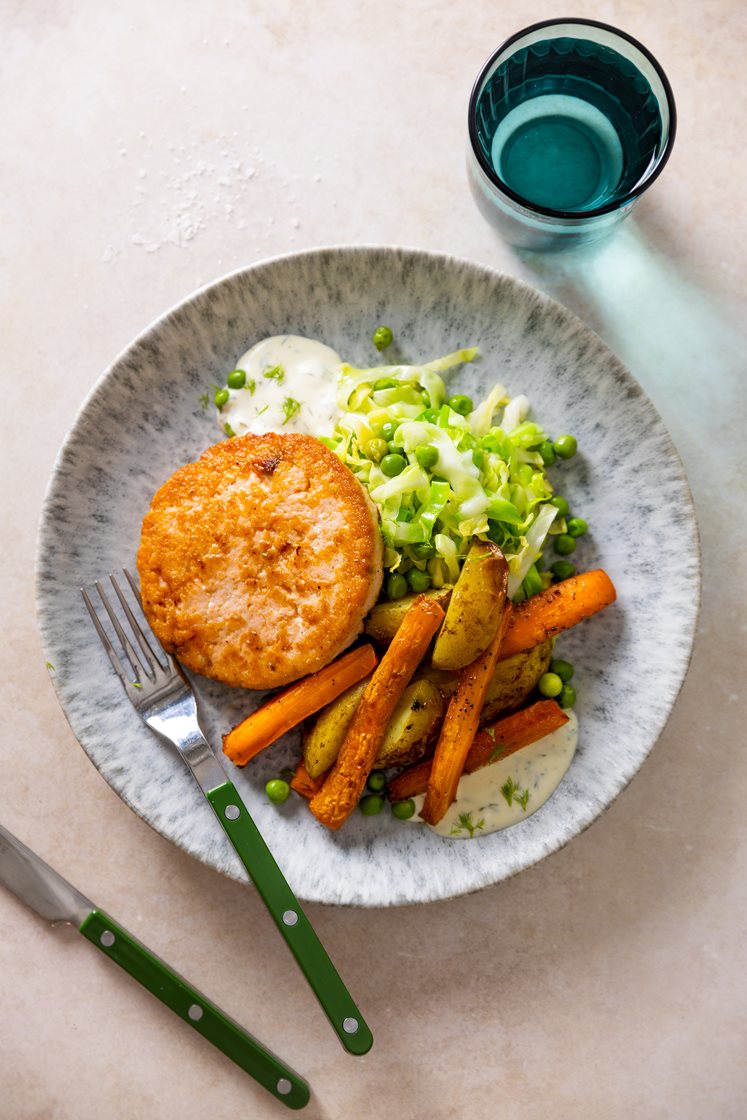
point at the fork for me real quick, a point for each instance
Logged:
(164, 699)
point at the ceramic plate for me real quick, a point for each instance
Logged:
(144, 418)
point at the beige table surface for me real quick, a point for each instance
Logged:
(150, 147)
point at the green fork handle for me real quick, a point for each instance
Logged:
(207, 1019)
(290, 919)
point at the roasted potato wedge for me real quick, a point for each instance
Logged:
(413, 725)
(514, 679)
(411, 728)
(475, 608)
(511, 683)
(384, 620)
(323, 738)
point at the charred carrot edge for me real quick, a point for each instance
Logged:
(510, 734)
(339, 795)
(558, 608)
(502, 738)
(296, 703)
(459, 728)
(303, 783)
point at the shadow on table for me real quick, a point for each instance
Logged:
(677, 336)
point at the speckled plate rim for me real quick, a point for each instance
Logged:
(691, 574)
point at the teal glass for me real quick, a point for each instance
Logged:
(570, 121)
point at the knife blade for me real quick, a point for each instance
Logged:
(45, 891)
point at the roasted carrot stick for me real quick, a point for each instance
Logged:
(556, 609)
(303, 783)
(459, 728)
(504, 737)
(295, 704)
(339, 795)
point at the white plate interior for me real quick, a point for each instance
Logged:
(144, 418)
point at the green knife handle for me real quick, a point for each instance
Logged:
(290, 919)
(207, 1019)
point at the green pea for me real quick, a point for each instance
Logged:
(387, 431)
(418, 581)
(396, 586)
(236, 379)
(277, 790)
(221, 398)
(547, 451)
(576, 527)
(461, 404)
(371, 804)
(563, 569)
(561, 505)
(550, 685)
(403, 810)
(524, 474)
(430, 415)
(376, 449)
(385, 383)
(392, 465)
(426, 456)
(565, 446)
(562, 669)
(377, 781)
(383, 337)
(567, 697)
(564, 545)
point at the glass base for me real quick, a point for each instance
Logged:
(526, 230)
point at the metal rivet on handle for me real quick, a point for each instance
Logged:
(107, 938)
(232, 812)
(284, 1086)
(290, 917)
(350, 1026)
(195, 1012)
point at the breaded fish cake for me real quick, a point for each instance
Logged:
(259, 562)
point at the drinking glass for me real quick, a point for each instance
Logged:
(570, 121)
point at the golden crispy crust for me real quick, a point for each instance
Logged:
(259, 561)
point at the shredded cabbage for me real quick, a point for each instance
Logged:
(488, 479)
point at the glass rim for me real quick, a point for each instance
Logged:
(546, 211)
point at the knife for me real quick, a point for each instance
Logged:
(57, 901)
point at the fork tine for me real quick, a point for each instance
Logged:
(133, 586)
(104, 637)
(164, 654)
(130, 652)
(152, 659)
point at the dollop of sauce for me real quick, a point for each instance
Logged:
(291, 385)
(510, 789)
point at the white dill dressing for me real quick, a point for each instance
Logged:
(290, 385)
(510, 789)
